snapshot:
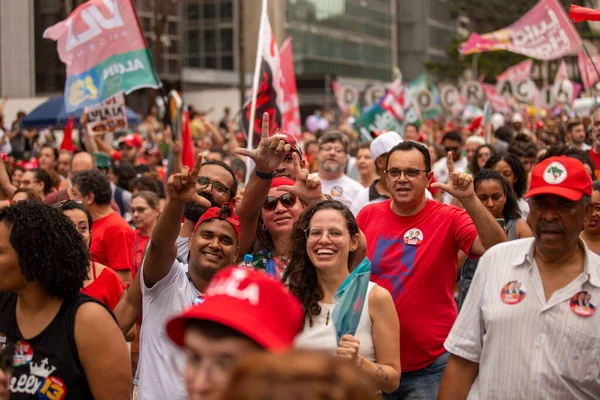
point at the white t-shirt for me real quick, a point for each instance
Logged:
(343, 189)
(441, 173)
(182, 248)
(322, 337)
(158, 379)
(524, 206)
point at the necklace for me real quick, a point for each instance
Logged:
(328, 312)
(192, 281)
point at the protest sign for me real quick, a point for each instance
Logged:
(109, 116)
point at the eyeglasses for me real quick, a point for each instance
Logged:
(411, 173)
(481, 155)
(287, 200)
(61, 204)
(337, 150)
(191, 363)
(315, 234)
(220, 188)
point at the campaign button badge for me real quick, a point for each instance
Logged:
(23, 354)
(581, 304)
(198, 300)
(513, 293)
(413, 237)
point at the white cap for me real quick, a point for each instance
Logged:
(517, 118)
(497, 121)
(383, 143)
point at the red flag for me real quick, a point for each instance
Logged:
(67, 142)
(187, 146)
(579, 14)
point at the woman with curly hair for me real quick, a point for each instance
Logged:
(57, 332)
(325, 239)
(102, 283)
(509, 166)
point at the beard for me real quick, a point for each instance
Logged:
(193, 212)
(331, 166)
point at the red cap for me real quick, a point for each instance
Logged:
(476, 124)
(132, 140)
(214, 213)
(563, 176)
(250, 302)
(289, 139)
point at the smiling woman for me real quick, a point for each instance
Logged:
(326, 238)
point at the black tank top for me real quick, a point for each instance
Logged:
(46, 366)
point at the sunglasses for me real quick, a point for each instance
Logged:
(287, 200)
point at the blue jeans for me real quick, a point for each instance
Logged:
(423, 384)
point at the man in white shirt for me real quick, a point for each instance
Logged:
(168, 286)
(452, 142)
(529, 327)
(333, 156)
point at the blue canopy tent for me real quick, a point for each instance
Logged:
(52, 114)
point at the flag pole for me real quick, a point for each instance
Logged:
(595, 69)
(255, 79)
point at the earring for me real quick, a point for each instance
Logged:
(264, 227)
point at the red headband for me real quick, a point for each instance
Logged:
(282, 181)
(213, 213)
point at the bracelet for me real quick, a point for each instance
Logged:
(263, 175)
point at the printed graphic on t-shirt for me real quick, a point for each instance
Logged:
(38, 381)
(581, 304)
(398, 257)
(513, 292)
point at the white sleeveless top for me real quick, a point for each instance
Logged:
(322, 337)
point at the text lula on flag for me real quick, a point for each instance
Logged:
(544, 32)
(104, 51)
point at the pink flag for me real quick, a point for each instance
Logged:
(544, 33)
(498, 102)
(562, 73)
(517, 73)
(589, 76)
(291, 108)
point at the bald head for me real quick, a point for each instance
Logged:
(82, 162)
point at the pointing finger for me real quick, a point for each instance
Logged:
(296, 166)
(185, 172)
(450, 162)
(196, 168)
(265, 126)
(245, 152)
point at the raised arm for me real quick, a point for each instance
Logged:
(267, 156)
(460, 185)
(161, 251)
(129, 307)
(7, 187)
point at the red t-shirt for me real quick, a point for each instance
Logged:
(112, 242)
(596, 159)
(415, 258)
(139, 245)
(106, 287)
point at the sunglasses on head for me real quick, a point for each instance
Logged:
(287, 200)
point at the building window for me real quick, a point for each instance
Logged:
(226, 40)
(210, 10)
(227, 63)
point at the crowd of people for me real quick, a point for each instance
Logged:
(123, 275)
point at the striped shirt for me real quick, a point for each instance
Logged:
(527, 347)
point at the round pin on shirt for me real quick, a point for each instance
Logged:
(413, 237)
(513, 293)
(581, 304)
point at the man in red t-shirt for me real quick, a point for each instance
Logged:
(413, 243)
(595, 150)
(112, 237)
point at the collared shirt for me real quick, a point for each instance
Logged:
(528, 347)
